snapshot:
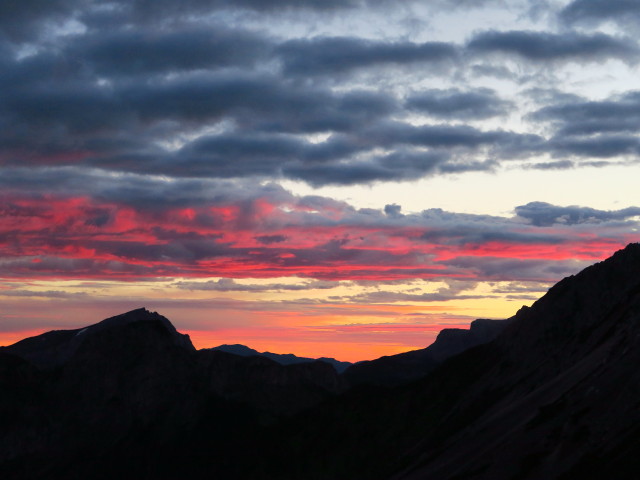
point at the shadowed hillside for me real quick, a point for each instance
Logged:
(555, 395)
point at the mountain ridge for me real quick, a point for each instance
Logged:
(281, 358)
(394, 370)
(555, 395)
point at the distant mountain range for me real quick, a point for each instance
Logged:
(551, 393)
(281, 358)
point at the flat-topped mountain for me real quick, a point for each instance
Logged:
(402, 368)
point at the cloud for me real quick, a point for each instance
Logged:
(154, 51)
(506, 269)
(443, 135)
(57, 294)
(230, 285)
(453, 103)
(453, 291)
(133, 226)
(168, 7)
(545, 214)
(24, 20)
(576, 116)
(603, 146)
(121, 89)
(545, 47)
(333, 55)
(127, 125)
(594, 12)
(559, 165)
(270, 239)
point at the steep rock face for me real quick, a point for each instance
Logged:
(570, 383)
(555, 396)
(405, 367)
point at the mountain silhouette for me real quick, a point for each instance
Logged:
(281, 358)
(121, 398)
(555, 395)
(402, 368)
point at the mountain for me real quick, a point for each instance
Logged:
(555, 395)
(281, 358)
(122, 398)
(55, 348)
(402, 368)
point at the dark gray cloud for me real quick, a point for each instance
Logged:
(395, 297)
(152, 51)
(454, 103)
(24, 19)
(578, 116)
(559, 165)
(449, 136)
(332, 55)
(108, 124)
(270, 239)
(544, 46)
(467, 234)
(591, 129)
(139, 191)
(162, 8)
(230, 285)
(393, 210)
(521, 287)
(601, 146)
(543, 214)
(57, 294)
(193, 89)
(400, 165)
(506, 269)
(594, 12)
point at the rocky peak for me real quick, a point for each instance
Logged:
(55, 348)
(580, 306)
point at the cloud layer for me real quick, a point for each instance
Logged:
(200, 90)
(150, 142)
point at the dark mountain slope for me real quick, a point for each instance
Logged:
(131, 398)
(572, 389)
(55, 348)
(398, 369)
(555, 396)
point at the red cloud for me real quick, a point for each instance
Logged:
(60, 237)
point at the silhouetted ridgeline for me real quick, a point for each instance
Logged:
(553, 393)
(282, 359)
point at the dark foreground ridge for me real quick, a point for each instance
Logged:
(555, 395)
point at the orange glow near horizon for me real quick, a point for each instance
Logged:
(349, 349)
(327, 280)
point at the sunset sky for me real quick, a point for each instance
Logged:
(335, 178)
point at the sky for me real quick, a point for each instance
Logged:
(338, 178)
